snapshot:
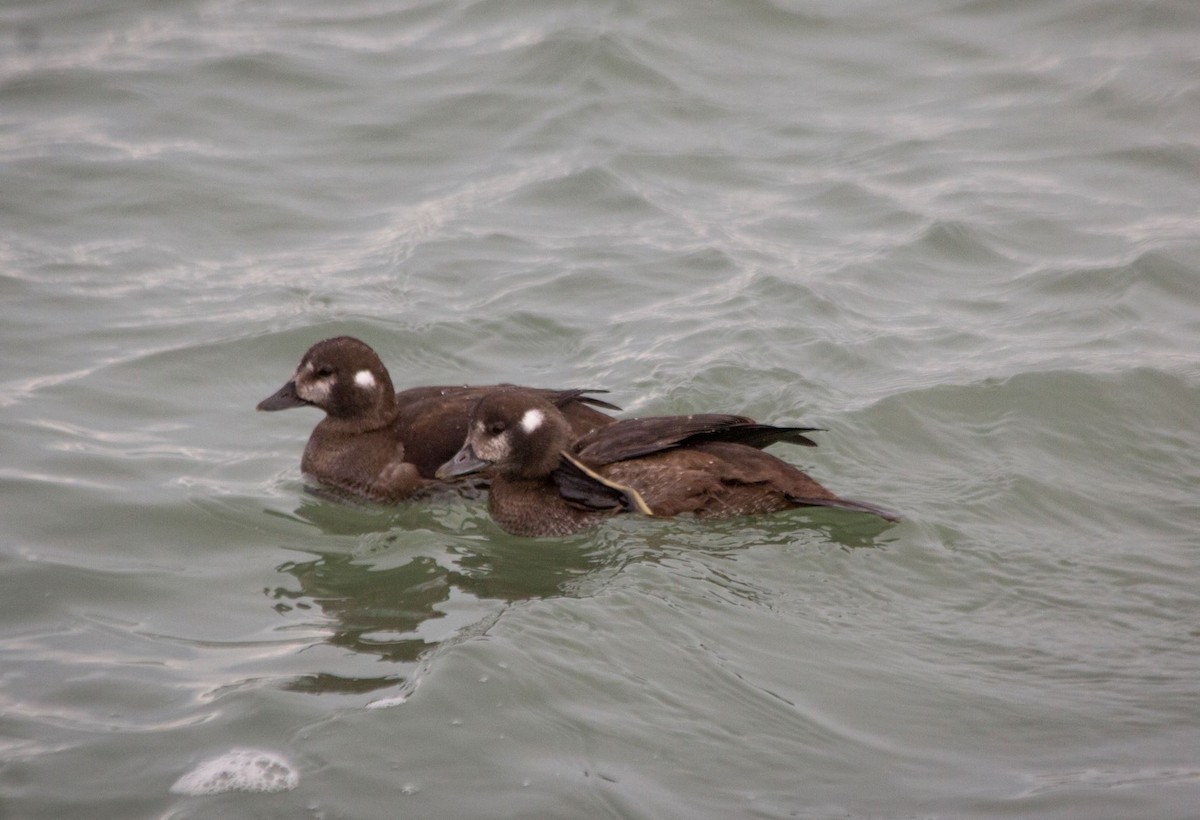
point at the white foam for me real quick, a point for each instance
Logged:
(389, 702)
(532, 420)
(240, 770)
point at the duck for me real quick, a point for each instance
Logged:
(546, 481)
(386, 446)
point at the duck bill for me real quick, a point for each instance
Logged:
(282, 399)
(464, 462)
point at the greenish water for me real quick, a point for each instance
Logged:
(962, 236)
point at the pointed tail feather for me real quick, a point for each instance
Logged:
(761, 436)
(848, 504)
(581, 395)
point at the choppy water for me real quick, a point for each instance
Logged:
(960, 234)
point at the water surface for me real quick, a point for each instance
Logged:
(961, 236)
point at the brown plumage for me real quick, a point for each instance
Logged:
(709, 465)
(384, 445)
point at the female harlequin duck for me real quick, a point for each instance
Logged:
(546, 481)
(385, 445)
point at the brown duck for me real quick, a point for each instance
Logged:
(383, 445)
(548, 481)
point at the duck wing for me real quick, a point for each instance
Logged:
(585, 489)
(468, 394)
(627, 439)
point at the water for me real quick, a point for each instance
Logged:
(960, 235)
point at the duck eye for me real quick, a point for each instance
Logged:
(324, 372)
(496, 428)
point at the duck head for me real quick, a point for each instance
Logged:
(342, 376)
(514, 432)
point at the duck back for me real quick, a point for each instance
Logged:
(720, 479)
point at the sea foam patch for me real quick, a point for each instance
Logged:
(388, 702)
(240, 770)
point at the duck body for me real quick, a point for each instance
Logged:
(383, 445)
(547, 482)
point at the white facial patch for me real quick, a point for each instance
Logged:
(315, 392)
(532, 420)
(364, 379)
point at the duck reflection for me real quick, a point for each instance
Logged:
(408, 581)
(399, 614)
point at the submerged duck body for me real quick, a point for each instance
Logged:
(548, 482)
(383, 445)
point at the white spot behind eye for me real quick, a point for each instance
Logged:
(364, 379)
(532, 420)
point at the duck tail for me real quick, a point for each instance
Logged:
(847, 504)
(565, 397)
